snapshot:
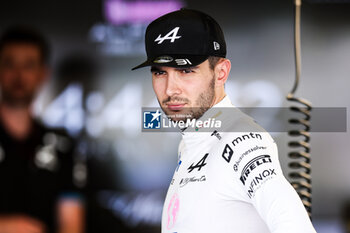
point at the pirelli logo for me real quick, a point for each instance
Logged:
(252, 164)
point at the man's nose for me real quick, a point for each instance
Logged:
(20, 75)
(18, 70)
(173, 85)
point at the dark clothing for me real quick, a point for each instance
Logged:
(35, 172)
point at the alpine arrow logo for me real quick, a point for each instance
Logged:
(172, 36)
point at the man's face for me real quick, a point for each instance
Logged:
(21, 73)
(184, 93)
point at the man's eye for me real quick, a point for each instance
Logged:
(157, 73)
(186, 71)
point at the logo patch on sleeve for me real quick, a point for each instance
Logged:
(252, 164)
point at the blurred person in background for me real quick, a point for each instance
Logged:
(37, 189)
(345, 214)
(228, 178)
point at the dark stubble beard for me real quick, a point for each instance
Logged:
(204, 101)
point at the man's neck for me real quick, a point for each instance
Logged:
(17, 121)
(218, 98)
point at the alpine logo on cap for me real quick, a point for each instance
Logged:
(172, 36)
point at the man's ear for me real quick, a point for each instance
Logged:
(222, 71)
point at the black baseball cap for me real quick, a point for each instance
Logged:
(183, 38)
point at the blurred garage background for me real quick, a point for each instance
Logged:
(95, 96)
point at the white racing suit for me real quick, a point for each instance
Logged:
(230, 181)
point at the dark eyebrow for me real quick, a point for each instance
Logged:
(191, 67)
(158, 69)
(155, 69)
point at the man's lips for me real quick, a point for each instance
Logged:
(175, 106)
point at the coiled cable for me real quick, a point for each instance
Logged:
(300, 176)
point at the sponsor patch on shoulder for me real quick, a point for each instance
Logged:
(259, 180)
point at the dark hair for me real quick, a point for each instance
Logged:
(213, 61)
(27, 35)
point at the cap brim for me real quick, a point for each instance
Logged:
(176, 61)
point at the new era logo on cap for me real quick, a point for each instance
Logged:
(183, 38)
(216, 45)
